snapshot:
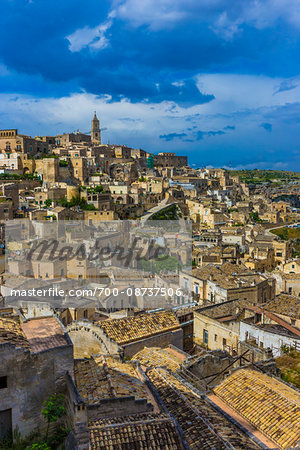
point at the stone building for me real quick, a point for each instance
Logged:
(95, 131)
(128, 335)
(227, 282)
(291, 266)
(218, 326)
(10, 161)
(6, 210)
(286, 307)
(48, 169)
(11, 141)
(282, 251)
(35, 356)
(79, 168)
(273, 336)
(170, 160)
(68, 139)
(121, 151)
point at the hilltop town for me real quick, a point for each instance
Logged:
(196, 346)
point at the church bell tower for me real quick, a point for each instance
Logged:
(95, 131)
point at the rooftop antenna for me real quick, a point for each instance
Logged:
(230, 165)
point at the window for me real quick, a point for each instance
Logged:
(3, 382)
(196, 288)
(85, 314)
(224, 342)
(290, 291)
(216, 337)
(205, 337)
(293, 321)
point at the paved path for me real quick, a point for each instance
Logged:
(160, 207)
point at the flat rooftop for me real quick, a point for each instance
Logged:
(44, 334)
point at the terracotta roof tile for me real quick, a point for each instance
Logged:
(267, 403)
(44, 334)
(144, 431)
(130, 329)
(203, 426)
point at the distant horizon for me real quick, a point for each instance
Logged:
(218, 81)
(192, 165)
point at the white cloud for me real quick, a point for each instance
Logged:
(94, 38)
(155, 13)
(225, 17)
(243, 92)
(242, 102)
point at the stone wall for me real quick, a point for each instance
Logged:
(121, 406)
(209, 364)
(31, 379)
(160, 340)
(76, 416)
(254, 354)
(89, 339)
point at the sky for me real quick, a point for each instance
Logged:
(217, 80)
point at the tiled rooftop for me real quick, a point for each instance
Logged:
(203, 426)
(285, 304)
(268, 404)
(228, 276)
(133, 328)
(44, 334)
(231, 308)
(105, 377)
(143, 431)
(11, 332)
(159, 357)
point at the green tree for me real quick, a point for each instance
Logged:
(48, 202)
(53, 409)
(40, 446)
(255, 217)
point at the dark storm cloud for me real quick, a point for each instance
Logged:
(154, 61)
(203, 134)
(155, 51)
(267, 126)
(171, 136)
